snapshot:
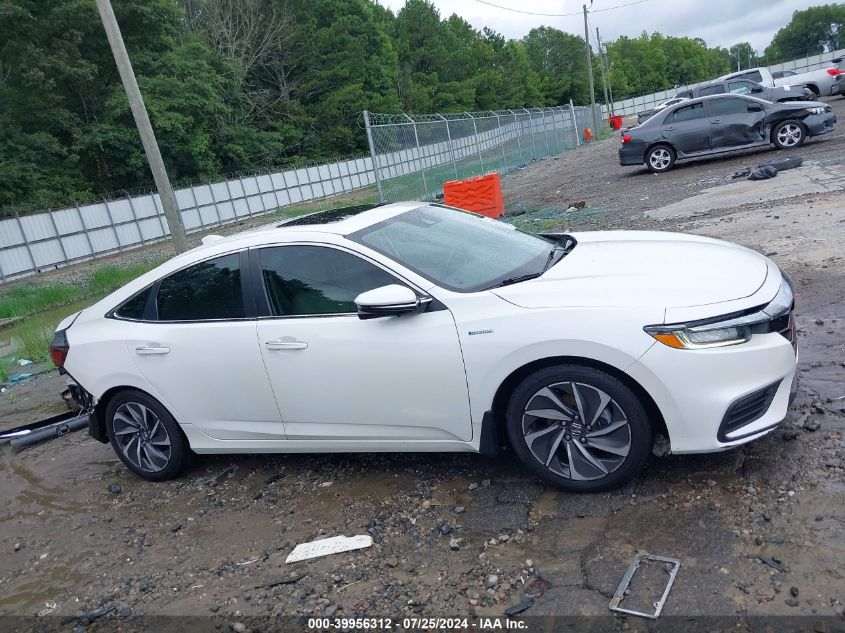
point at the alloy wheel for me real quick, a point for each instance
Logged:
(142, 437)
(660, 159)
(790, 135)
(576, 430)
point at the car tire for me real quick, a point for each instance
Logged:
(814, 91)
(789, 134)
(145, 436)
(557, 423)
(660, 158)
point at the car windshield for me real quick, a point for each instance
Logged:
(459, 251)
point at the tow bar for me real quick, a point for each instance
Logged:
(22, 437)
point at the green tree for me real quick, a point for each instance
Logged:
(810, 32)
(559, 59)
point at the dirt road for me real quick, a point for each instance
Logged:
(759, 530)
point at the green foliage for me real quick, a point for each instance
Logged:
(259, 84)
(35, 340)
(23, 300)
(810, 32)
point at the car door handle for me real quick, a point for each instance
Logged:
(286, 342)
(716, 122)
(145, 350)
(669, 129)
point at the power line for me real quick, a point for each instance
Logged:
(559, 15)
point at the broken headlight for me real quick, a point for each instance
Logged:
(818, 110)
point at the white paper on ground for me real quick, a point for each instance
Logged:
(326, 546)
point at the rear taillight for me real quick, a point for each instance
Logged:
(626, 138)
(59, 348)
(835, 72)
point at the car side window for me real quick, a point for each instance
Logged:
(134, 307)
(755, 75)
(316, 280)
(740, 87)
(209, 290)
(728, 105)
(711, 90)
(687, 113)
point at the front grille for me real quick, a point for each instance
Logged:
(746, 410)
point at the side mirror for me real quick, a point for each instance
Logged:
(758, 89)
(391, 300)
(753, 107)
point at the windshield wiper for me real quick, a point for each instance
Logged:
(515, 280)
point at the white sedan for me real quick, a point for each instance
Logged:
(417, 327)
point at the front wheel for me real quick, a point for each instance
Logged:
(788, 134)
(660, 158)
(145, 436)
(578, 428)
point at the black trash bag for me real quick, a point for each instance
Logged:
(763, 172)
(783, 163)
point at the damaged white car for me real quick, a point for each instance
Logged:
(417, 327)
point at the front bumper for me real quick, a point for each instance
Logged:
(694, 389)
(818, 124)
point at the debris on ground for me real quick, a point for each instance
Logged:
(763, 172)
(783, 163)
(326, 546)
(670, 566)
(519, 608)
(281, 581)
(23, 362)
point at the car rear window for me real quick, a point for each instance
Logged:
(210, 290)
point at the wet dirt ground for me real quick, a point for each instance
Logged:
(759, 530)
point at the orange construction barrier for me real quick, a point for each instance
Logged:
(482, 194)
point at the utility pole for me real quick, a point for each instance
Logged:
(604, 72)
(145, 129)
(590, 71)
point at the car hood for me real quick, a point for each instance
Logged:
(643, 269)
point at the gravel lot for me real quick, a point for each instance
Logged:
(759, 530)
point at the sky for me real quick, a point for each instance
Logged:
(717, 22)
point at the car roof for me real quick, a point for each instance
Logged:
(340, 221)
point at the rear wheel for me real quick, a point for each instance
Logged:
(660, 158)
(814, 90)
(578, 428)
(788, 134)
(145, 436)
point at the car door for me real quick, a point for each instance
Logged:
(338, 377)
(687, 128)
(735, 122)
(197, 348)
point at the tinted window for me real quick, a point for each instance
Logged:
(728, 105)
(302, 280)
(134, 307)
(686, 113)
(741, 87)
(754, 76)
(711, 90)
(208, 290)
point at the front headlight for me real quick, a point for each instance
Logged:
(701, 337)
(728, 330)
(819, 110)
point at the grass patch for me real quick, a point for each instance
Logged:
(35, 341)
(26, 300)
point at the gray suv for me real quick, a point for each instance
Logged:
(742, 86)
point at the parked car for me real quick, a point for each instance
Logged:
(820, 82)
(722, 123)
(743, 86)
(417, 327)
(642, 116)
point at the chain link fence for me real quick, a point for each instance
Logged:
(413, 155)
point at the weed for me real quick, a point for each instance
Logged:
(35, 341)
